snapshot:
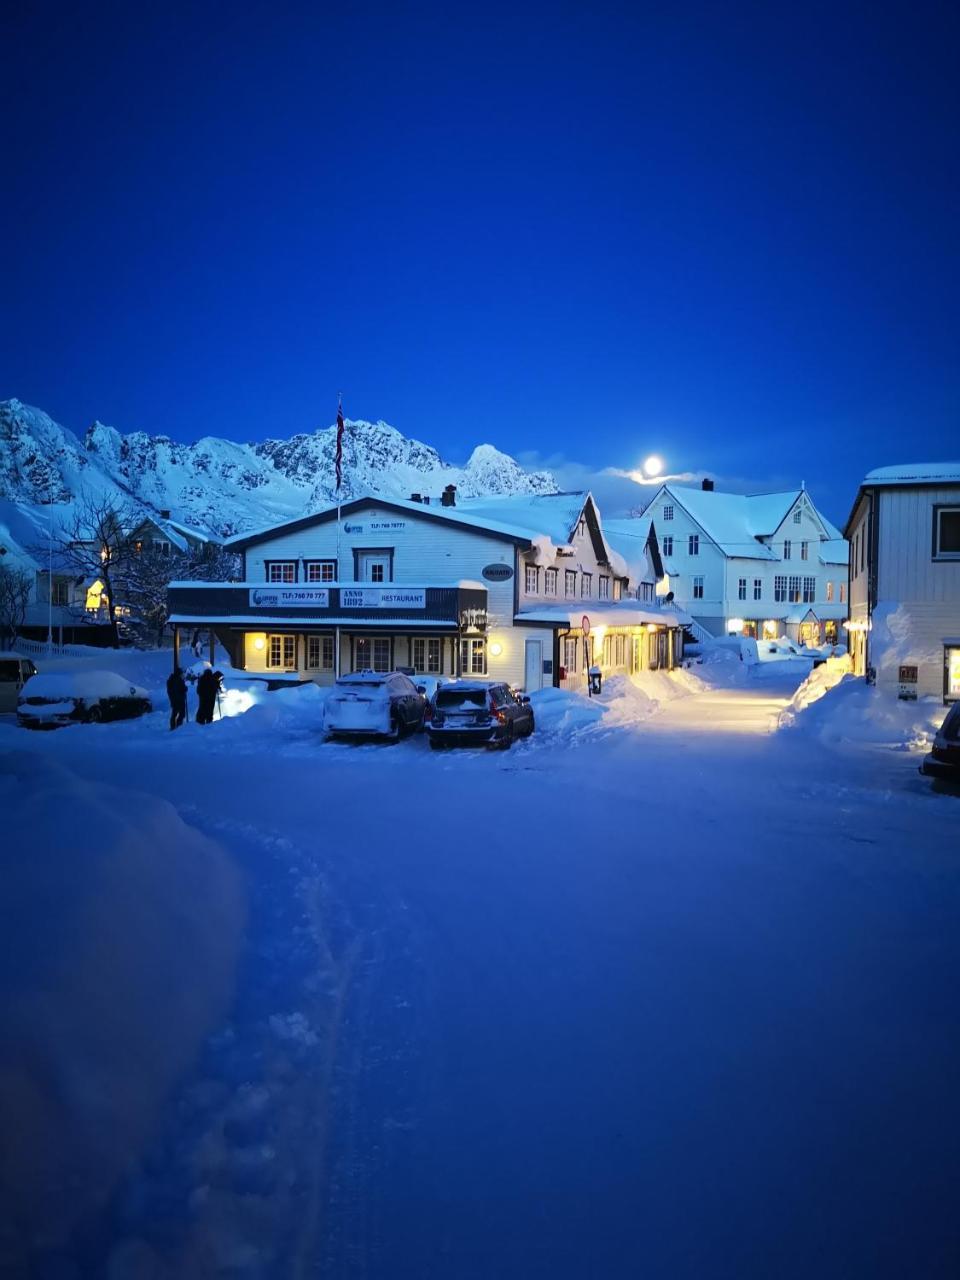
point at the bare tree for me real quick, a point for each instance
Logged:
(15, 587)
(146, 579)
(96, 543)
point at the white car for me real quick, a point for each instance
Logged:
(374, 704)
(47, 701)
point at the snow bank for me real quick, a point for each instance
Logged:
(122, 928)
(853, 711)
(625, 701)
(81, 684)
(820, 681)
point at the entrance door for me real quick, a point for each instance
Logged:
(532, 665)
(373, 566)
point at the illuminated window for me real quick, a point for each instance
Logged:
(282, 652)
(570, 654)
(843, 592)
(829, 593)
(320, 570)
(951, 673)
(617, 589)
(473, 657)
(281, 570)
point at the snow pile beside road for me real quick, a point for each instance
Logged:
(853, 711)
(122, 926)
(625, 701)
(819, 682)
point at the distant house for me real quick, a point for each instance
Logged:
(161, 534)
(761, 565)
(528, 590)
(904, 536)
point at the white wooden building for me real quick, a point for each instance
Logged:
(904, 535)
(498, 587)
(762, 565)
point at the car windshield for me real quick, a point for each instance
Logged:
(461, 697)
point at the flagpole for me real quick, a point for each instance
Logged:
(339, 471)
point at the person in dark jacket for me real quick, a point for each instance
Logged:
(177, 693)
(208, 686)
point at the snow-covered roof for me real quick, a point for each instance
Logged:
(916, 473)
(627, 613)
(737, 521)
(81, 684)
(552, 515)
(629, 539)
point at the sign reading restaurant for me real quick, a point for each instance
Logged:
(309, 597)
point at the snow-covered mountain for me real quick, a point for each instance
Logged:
(229, 487)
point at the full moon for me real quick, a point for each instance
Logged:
(653, 466)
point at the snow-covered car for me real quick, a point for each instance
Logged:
(943, 762)
(374, 704)
(90, 697)
(473, 713)
(15, 671)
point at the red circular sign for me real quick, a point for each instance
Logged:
(585, 625)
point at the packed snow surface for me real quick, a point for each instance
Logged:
(664, 990)
(81, 684)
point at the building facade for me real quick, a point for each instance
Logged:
(521, 590)
(759, 565)
(904, 580)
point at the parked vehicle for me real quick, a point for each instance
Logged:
(48, 701)
(15, 671)
(943, 762)
(473, 713)
(374, 704)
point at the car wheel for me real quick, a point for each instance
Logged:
(532, 726)
(506, 742)
(95, 716)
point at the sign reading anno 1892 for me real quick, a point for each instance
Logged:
(383, 598)
(276, 596)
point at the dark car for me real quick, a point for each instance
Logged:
(943, 762)
(384, 704)
(472, 713)
(90, 697)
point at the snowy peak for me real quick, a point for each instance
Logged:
(229, 487)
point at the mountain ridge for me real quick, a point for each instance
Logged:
(229, 487)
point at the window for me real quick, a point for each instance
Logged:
(586, 585)
(319, 653)
(473, 657)
(797, 516)
(698, 587)
(160, 547)
(282, 652)
(427, 654)
(741, 588)
(946, 533)
(804, 550)
(281, 570)
(581, 527)
(607, 660)
(793, 592)
(61, 591)
(618, 588)
(376, 573)
(693, 544)
(550, 582)
(570, 654)
(569, 582)
(668, 513)
(668, 545)
(809, 590)
(843, 592)
(829, 593)
(532, 580)
(320, 570)
(372, 654)
(787, 549)
(620, 650)
(951, 673)
(758, 588)
(863, 550)
(603, 587)
(780, 588)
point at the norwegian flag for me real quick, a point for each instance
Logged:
(338, 459)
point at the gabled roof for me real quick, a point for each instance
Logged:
(915, 473)
(631, 538)
(737, 522)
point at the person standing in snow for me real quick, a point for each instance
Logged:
(177, 693)
(208, 686)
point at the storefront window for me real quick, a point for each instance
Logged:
(951, 673)
(372, 654)
(282, 652)
(473, 657)
(319, 653)
(427, 654)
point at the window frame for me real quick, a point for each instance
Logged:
(270, 565)
(668, 511)
(586, 586)
(285, 640)
(809, 590)
(548, 589)
(793, 588)
(780, 588)
(321, 641)
(569, 584)
(804, 550)
(693, 544)
(741, 588)
(696, 586)
(787, 549)
(668, 544)
(534, 570)
(939, 508)
(470, 646)
(373, 641)
(758, 588)
(603, 586)
(323, 564)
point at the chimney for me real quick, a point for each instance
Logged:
(164, 515)
(425, 499)
(415, 497)
(706, 486)
(449, 496)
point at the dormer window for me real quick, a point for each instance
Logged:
(668, 512)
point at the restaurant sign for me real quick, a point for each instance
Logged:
(383, 598)
(289, 597)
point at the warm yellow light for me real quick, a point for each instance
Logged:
(496, 649)
(735, 624)
(259, 642)
(95, 596)
(653, 465)
(769, 628)
(652, 626)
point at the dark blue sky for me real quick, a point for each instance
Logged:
(727, 234)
